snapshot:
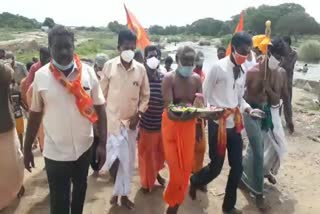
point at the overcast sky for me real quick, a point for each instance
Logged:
(148, 12)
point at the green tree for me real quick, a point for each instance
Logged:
(156, 29)
(115, 26)
(49, 22)
(8, 20)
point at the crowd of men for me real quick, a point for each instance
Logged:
(84, 116)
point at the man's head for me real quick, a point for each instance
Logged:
(138, 56)
(126, 45)
(221, 53)
(2, 53)
(168, 62)
(199, 59)
(287, 39)
(151, 57)
(241, 44)
(44, 55)
(29, 65)
(185, 59)
(99, 62)
(276, 51)
(10, 57)
(61, 45)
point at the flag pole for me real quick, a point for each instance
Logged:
(268, 34)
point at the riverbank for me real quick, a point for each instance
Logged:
(297, 190)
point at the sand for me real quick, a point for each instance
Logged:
(297, 190)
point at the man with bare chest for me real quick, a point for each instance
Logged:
(264, 90)
(179, 131)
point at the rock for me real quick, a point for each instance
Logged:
(307, 87)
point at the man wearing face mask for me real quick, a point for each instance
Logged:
(264, 92)
(67, 98)
(126, 88)
(179, 131)
(224, 87)
(150, 147)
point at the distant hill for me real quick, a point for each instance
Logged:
(8, 20)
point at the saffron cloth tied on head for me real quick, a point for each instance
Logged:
(83, 100)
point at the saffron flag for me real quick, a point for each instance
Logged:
(134, 25)
(239, 28)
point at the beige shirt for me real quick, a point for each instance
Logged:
(126, 92)
(68, 134)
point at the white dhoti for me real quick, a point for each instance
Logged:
(122, 147)
(11, 167)
(275, 145)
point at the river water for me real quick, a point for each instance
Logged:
(210, 53)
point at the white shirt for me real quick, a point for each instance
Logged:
(68, 134)
(221, 90)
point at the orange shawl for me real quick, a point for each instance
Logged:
(222, 132)
(83, 100)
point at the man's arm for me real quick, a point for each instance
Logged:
(273, 89)
(209, 83)
(105, 80)
(144, 92)
(35, 117)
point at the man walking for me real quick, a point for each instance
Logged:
(67, 95)
(126, 89)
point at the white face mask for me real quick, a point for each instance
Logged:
(127, 55)
(153, 63)
(273, 63)
(62, 67)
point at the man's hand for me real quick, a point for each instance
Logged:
(101, 154)
(257, 114)
(134, 120)
(291, 128)
(199, 134)
(28, 160)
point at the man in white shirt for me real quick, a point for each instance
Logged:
(67, 96)
(224, 87)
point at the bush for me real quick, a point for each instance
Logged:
(225, 40)
(309, 51)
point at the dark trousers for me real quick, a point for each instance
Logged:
(213, 169)
(60, 176)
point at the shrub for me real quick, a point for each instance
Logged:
(309, 51)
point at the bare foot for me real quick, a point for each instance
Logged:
(161, 180)
(21, 192)
(260, 203)
(172, 210)
(95, 174)
(114, 200)
(193, 192)
(144, 190)
(271, 179)
(204, 189)
(127, 203)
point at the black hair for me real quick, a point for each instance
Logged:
(168, 60)
(278, 46)
(287, 39)
(221, 49)
(126, 35)
(44, 51)
(59, 30)
(241, 38)
(151, 48)
(29, 65)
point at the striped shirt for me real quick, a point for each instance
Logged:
(151, 119)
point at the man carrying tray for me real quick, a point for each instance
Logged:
(224, 87)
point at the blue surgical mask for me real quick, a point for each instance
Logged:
(63, 67)
(185, 71)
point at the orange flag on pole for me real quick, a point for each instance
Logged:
(134, 25)
(239, 28)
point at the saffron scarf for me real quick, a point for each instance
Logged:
(83, 100)
(222, 132)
